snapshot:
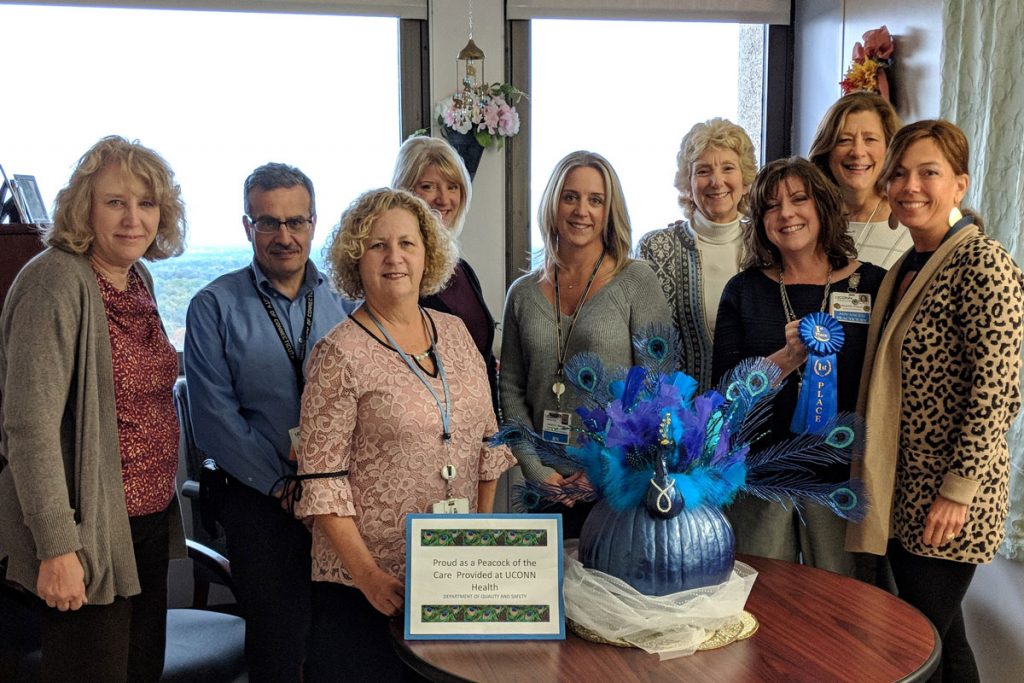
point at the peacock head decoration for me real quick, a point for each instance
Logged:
(647, 437)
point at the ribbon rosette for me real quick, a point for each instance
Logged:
(817, 403)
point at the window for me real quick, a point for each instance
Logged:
(630, 90)
(217, 94)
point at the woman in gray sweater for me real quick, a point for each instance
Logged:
(89, 437)
(588, 295)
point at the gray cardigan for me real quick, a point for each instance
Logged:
(58, 432)
(625, 306)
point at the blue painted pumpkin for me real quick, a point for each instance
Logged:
(655, 555)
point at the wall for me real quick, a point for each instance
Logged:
(825, 31)
(483, 241)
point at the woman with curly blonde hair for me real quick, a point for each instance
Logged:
(89, 518)
(394, 413)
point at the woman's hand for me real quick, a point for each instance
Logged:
(385, 592)
(795, 349)
(580, 480)
(576, 480)
(944, 523)
(793, 354)
(61, 582)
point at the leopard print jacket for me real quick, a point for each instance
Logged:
(959, 368)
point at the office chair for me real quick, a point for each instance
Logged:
(208, 532)
(202, 645)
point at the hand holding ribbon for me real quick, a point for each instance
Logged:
(817, 403)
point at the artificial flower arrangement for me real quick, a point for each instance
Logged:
(485, 110)
(872, 60)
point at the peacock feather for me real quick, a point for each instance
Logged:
(647, 435)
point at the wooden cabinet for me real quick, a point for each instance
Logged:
(18, 244)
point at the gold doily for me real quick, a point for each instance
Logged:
(742, 629)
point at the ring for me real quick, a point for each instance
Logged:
(950, 537)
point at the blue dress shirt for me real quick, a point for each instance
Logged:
(243, 394)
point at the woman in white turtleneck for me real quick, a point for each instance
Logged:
(695, 257)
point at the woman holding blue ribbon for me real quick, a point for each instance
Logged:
(801, 290)
(940, 390)
(394, 416)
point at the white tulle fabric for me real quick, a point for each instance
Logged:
(670, 626)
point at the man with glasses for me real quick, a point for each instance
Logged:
(247, 336)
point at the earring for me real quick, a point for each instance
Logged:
(954, 216)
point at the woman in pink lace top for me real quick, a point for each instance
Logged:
(394, 395)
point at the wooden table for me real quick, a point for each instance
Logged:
(814, 626)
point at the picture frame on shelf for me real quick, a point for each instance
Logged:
(29, 200)
(8, 208)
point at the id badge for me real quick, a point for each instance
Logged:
(850, 307)
(452, 506)
(557, 426)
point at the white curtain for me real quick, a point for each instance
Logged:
(983, 93)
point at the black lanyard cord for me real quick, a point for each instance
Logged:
(295, 358)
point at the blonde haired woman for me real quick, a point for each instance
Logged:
(434, 172)
(588, 295)
(396, 396)
(89, 518)
(696, 256)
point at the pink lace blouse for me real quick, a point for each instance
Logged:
(364, 411)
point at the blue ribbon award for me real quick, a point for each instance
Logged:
(817, 403)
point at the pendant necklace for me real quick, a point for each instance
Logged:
(558, 387)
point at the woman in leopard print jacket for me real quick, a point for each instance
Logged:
(944, 355)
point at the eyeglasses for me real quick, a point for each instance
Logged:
(267, 224)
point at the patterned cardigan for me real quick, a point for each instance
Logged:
(673, 255)
(947, 362)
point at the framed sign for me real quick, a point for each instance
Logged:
(29, 200)
(484, 577)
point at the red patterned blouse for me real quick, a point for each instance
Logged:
(145, 369)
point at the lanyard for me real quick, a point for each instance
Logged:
(307, 326)
(558, 388)
(445, 408)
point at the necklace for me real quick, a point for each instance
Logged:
(788, 307)
(791, 315)
(558, 387)
(394, 347)
(875, 210)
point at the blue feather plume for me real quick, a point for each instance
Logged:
(643, 420)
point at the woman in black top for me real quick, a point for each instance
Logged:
(432, 170)
(799, 260)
